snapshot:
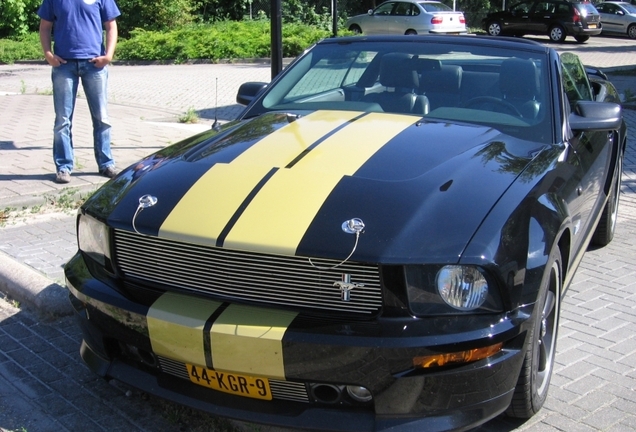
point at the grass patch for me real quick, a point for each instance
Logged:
(68, 200)
(189, 116)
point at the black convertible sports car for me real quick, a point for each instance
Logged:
(380, 241)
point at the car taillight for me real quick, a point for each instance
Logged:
(462, 20)
(577, 16)
(437, 20)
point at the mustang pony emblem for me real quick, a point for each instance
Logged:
(346, 286)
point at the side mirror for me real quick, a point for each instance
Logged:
(370, 12)
(595, 116)
(248, 91)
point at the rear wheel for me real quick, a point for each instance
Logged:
(355, 28)
(631, 31)
(581, 39)
(606, 227)
(534, 380)
(410, 32)
(494, 28)
(557, 33)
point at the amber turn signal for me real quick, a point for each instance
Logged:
(437, 360)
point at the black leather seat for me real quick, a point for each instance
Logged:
(519, 85)
(398, 75)
(441, 84)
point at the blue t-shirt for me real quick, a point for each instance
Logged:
(78, 25)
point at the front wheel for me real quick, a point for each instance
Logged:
(410, 32)
(532, 386)
(557, 34)
(494, 29)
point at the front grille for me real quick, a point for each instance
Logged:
(286, 390)
(256, 278)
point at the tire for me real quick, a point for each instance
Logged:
(604, 232)
(557, 33)
(494, 28)
(532, 386)
(356, 29)
(631, 31)
(410, 32)
(581, 39)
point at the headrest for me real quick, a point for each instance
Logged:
(447, 79)
(398, 70)
(518, 79)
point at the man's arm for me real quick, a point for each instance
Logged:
(111, 43)
(45, 40)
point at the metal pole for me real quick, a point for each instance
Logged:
(334, 17)
(277, 37)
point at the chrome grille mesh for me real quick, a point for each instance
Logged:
(287, 390)
(258, 278)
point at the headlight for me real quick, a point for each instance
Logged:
(93, 240)
(450, 289)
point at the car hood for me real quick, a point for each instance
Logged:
(284, 184)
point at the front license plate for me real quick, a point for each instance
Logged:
(241, 385)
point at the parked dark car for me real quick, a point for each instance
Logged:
(555, 18)
(618, 18)
(380, 241)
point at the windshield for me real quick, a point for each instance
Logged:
(475, 84)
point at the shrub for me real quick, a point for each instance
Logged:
(156, 15)
(18, 17)
(26, 48)
(225, 40)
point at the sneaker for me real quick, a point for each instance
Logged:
(63, 177)
(109, 172)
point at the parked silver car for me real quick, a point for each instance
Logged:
(618, 17)
(409, 17)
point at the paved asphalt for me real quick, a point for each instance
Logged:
(45, 387)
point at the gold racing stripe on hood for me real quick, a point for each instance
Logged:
(205, 210)
(279, 215)
(242, 339)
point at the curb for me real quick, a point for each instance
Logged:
(32, 289)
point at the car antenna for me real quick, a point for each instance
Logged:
(216, 126)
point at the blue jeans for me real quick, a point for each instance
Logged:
(66, 79)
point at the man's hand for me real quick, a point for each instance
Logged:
(100, 61)
(53, 59)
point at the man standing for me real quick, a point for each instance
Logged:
(79, 54)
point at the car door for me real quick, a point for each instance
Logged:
(591, 155)
(542, 16)
(381, 20)
(403, 17)
(612, 17)
(517, 19)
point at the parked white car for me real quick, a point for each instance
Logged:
(409, 17)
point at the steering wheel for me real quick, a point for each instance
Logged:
(490, 103)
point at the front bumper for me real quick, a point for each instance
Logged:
(377, 355)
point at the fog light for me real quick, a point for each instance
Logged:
(359, 394)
